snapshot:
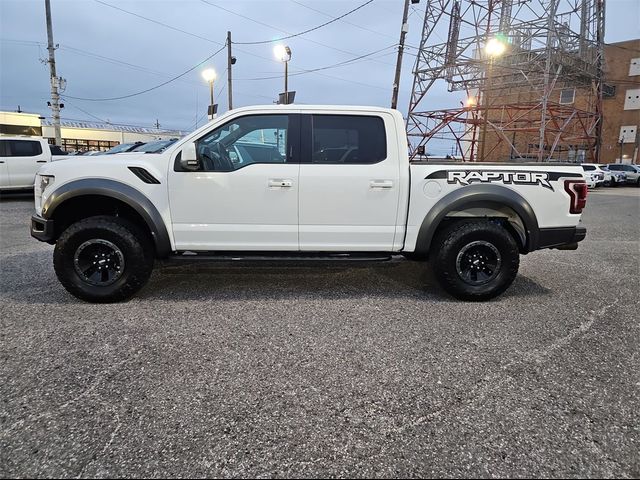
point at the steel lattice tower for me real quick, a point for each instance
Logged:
(551, 45)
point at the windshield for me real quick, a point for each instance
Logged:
(154, 147)
(123, 147)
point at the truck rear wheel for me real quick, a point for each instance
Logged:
(103, 259)
(475, 260)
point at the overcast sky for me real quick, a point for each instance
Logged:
(106, 52)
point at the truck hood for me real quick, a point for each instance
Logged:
(105, 166)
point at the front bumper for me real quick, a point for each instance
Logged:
(563, 238)
(42, 229)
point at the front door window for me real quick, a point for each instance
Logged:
(245, 141)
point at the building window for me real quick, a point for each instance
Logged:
(634, 67)
(76, 145)
(21, 130)
(608, 91)
(567, 96)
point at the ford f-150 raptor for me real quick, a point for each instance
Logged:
(300, 182)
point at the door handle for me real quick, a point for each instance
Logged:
(41, 161)
(280, 183)
(384, 184)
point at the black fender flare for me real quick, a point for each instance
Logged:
(119, 191)
(478, 196)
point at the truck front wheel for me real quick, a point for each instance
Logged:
(475, 260)
(103, 259)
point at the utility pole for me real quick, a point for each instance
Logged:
(157, 124)
(55, 97)
(230, 61)
(403, 33)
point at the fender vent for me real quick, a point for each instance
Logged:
(144, 175)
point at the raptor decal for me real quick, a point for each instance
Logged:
(508, 177)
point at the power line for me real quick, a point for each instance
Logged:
(220, 92)
(299, 33)
(158, 22)
(238, 49)
(279, 30)
(83, 111)
(344, 21)
(345, 62)
(152, 88)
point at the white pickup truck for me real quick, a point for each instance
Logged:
(20, 160)
(297, 183)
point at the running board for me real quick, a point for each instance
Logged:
(284, 257)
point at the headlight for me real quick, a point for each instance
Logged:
(45, 181)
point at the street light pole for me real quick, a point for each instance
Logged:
(620, 142)
(286, 78)
(210, 75)
(283, 53)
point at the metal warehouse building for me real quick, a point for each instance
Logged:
(81, 135)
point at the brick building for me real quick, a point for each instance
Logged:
(621, 103)
(570, 133)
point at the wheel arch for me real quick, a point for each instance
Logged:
(482, 201)
(71, 200)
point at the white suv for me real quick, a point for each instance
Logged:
(611, 178)
(20, 159)
(632, 171)
(598, 175)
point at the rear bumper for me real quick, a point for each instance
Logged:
(565, 238)
(42, 229)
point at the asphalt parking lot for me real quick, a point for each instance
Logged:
(220, 370)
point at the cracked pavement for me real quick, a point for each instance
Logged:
(326, 371)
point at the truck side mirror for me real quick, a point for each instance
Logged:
(189, 157)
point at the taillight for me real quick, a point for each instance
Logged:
(577, 190)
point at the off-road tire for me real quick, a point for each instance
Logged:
(134, 245)
(454, 238)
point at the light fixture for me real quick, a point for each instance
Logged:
(282, 53)
(495, 47)
(209, 74)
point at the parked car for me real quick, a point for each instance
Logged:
(109, 221)
(157, 146)
(609, 179)
(57, 150)
(57, 153)
(614, 177)
(597, 173)
(632, 171)
(20, 159)
(591, 179)
(123, 147)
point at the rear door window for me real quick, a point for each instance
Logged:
(24, 148)
(348, 139)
